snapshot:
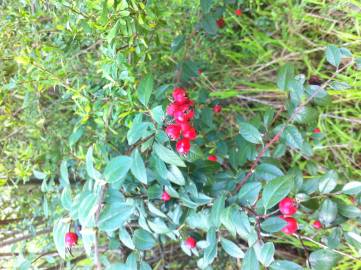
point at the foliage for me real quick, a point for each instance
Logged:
(83, 100)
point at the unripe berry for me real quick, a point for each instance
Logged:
(180, 95)
(292, 225)
(288, 206)
(212, 158)
(173, 131)
(71, 239)
(165, 196)
(217, 108)
(183, 146)
(190, 133)
(238, 12)
(220, 23)
(316, 131)
(190, 242)
(317, 224)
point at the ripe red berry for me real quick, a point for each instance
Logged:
(183, 146)
(220, 23)
(180, 95)
(190, 242)
(190, 133)
(71, 239)
(292, 225)
(288, 206)
(317, 224)
(173, 131)
(165, 196)
(212, 158)
(200, 71)
(180, 116)
(316, 130)
(171, 109)
(217, 108)
(238, 12)
(185, 125)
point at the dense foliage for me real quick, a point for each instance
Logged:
(134, 136)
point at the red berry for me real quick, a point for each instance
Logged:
(171, 109)
(292, 225)
(190, 242)
(190, 114)
(317, 224)
(183, 146)
(316, 130)
(288, 206)
(180, 116)
(165, 196)
(212, 158)
(217, 108)
(173, 132)
(71, 239)
(220, 23)
(238, 12)
(180, 95)
(190, 133)
(185, 126)
(200, 71)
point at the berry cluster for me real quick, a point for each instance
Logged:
(181, 109)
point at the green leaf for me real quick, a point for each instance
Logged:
(227, 219)
(87, 209)
(241, 222)
(275, 190)
(137, 131)
(333, 55)
(328, 212)
(175, 175)
(64, 176)
(210, 253)
(206, 5)
(231, 248)
(217, 209)
(92, 172)
(285, 265)
(267, 172)
(145, 89)
(145, 266)
(117, 168)
(328, 182)
(167, 155)
(209, 24)
(273, 224)
(143, 240)
(113, 216)
(132, 261)
(352, 188)
(59, 230)
(250, 133)
(177, 43)
(155, 210)
(248, 194)
(284, 76)
(158, 114)
(349, 211)
(113, 32)
(138, 167)
(250, 261)
(323, 259)
(266, 254)
(125, 237)
(293, 137)
(65, 198)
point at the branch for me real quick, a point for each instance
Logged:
(25, 237)
(280, 132)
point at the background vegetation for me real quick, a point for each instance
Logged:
(69, 71)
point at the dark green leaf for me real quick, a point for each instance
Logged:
(145, 89)
(250, 261)
(328, 212)
(323, 259)
(275, 190)
(138, 167)
(113, 216)
(285, 265)
(143, 240)
(248, 194)
(250, 133)
(117, 168)
(284, 76)
(231, 248)
(168, 155)
(175, 175)
(267, 172)
(210, 253)
(328, 182)
(293, 137)
(217, 209)
(333, 55)
(177, 43)
(206, 5)
(273, 224)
